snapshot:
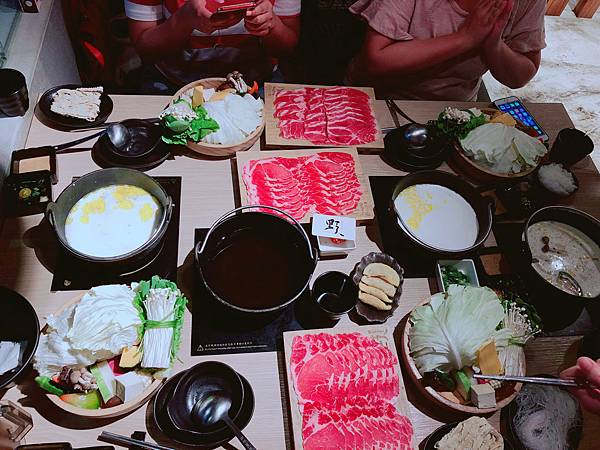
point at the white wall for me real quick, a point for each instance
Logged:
(40, 48)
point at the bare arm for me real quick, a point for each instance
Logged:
(280, 34)
(383, 57)
(284, 35)
(508, 66)
(511, 68)
(157, 39)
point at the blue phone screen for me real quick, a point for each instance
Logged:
(518, 111)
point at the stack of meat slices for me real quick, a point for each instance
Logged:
(335, 116)
(346, 386)
(325, 183)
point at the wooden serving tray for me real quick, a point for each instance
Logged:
(363, 212)
(102, 413)
(380, 333)
(272, 138)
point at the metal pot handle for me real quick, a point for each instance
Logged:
(50, 214)
(272, 208)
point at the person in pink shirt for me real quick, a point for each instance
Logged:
(439, 49)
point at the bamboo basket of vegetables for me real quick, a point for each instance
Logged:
(218, 150)
(513, 326)
(159, 307)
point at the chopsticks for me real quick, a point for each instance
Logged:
(537, 380)
(125, 441)
(392, 106)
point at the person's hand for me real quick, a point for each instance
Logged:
(495, 35)
(198, 16)
(481, 20)
(226, 19)
(586, 370)
(260, 20)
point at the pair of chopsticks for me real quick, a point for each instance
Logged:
(125, 441)
(537, 380)
(395, 111)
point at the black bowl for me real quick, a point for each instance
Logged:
(73, 123)
(398, 152)
(18, 323)
(195, 384)
(437, 435)
(161, 418)
(144, 138)
(335, 293)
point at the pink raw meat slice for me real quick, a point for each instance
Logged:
(336, 115)
(355, 423)
(339, 372)
(325, 182)
(315, 128)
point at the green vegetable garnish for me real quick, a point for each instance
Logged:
(46, 384)
(179, 132)
(451, 275)
(455, 129)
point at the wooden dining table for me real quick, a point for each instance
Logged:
(208, 191)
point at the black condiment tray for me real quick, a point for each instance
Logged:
(72, 274)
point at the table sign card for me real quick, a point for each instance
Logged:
(335, 234)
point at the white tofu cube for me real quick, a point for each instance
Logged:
(483, 396)
(129, 385)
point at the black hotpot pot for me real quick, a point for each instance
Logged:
(557, 307)
(57, 212)
(482, 206)
(256, 262)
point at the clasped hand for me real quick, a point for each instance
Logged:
(485, 24)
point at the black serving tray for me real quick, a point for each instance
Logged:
(71, 274)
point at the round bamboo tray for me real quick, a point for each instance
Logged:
(218, 149)
(460, 162)
(447, 400)
(105, 413)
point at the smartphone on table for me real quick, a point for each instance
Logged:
(514, 106)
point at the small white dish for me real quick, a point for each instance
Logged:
(466, 266)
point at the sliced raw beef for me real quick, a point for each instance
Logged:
(346, 386)
(336, 115)
(325, 182)
(355, 423)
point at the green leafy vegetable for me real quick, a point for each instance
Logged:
(179, 131)
(451, 275)
(447, 332)
(456, 128)
(46, 384)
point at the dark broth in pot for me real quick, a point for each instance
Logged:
(256, 269)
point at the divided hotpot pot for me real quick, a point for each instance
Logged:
(57, 212)
(256, 259)
(557, 307)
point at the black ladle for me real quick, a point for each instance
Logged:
(214, 408)
(117, 133)
(415, 134)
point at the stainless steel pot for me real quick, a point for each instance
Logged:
(234, 227)
(57, 212)
(482, 206)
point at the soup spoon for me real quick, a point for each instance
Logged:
(214, 408)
